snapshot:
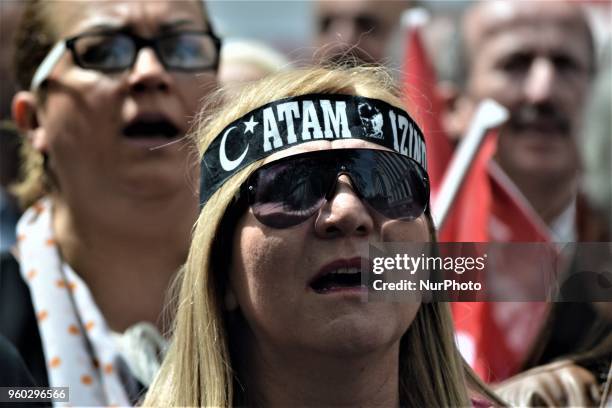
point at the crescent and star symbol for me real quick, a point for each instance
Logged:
(250, 126)
(226, 163)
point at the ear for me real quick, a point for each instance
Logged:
(25, 115)
(231, 303)
(457, 112)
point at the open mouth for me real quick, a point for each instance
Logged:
(337, 279)
(148, 129)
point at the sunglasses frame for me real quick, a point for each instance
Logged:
(140, 43)
(57, 51)
(247, 194)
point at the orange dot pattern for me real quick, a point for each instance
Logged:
(62, 284)
(55, 362)
(31, 274)
(38, 207)
(59, 323)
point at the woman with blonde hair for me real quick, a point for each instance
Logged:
(293, 175)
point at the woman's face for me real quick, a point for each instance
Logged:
(105, 133)
(272, 271)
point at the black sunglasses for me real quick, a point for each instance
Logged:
(116, 51)
(287, 192)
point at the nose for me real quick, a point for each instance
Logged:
(148, 73)
(344, 214)
(539, 85)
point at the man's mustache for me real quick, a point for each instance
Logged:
(543, 117)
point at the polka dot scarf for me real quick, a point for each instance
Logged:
(77, 344)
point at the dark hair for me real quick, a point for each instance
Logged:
(33, 40)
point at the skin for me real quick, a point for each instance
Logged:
(233, 75)
(294, 332)
(339, 30)
(123, 212)
(532, 56)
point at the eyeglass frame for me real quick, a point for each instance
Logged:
(57, 51)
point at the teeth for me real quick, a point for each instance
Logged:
(346, 271)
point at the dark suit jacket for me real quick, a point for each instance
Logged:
(17, 320)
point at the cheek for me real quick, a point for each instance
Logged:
(493, 83)
(401, 231)
(264, 272)
(193, 89)
(76, 121)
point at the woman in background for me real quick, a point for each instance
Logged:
(111, 87)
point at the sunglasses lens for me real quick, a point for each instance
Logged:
(189, 51)
(105, 52)
(391, 184)
(288, 193)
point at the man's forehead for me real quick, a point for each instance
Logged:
(536, 40)
(351, 8)
(489, 18)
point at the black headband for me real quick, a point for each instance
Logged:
(291, 121)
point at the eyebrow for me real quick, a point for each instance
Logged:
(101, 27)
(168, 26)
(163, 27)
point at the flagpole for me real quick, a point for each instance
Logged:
(489, 114)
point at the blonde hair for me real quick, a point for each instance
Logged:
(198, 369)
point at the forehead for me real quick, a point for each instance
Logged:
(344, 7)
(528, 26)
(143, 16)
(353, 8)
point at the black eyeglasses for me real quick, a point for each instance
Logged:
(116, 51)
(287, 192)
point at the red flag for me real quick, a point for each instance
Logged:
(487, 208)
(468, 218)
(420, 95)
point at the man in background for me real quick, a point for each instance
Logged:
(538, 60)
(358, 31)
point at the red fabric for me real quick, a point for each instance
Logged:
(420, 94)
(468, 218)
(487, 202)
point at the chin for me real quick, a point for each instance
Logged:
(359, 335)
(540, 165)
(543, 169)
